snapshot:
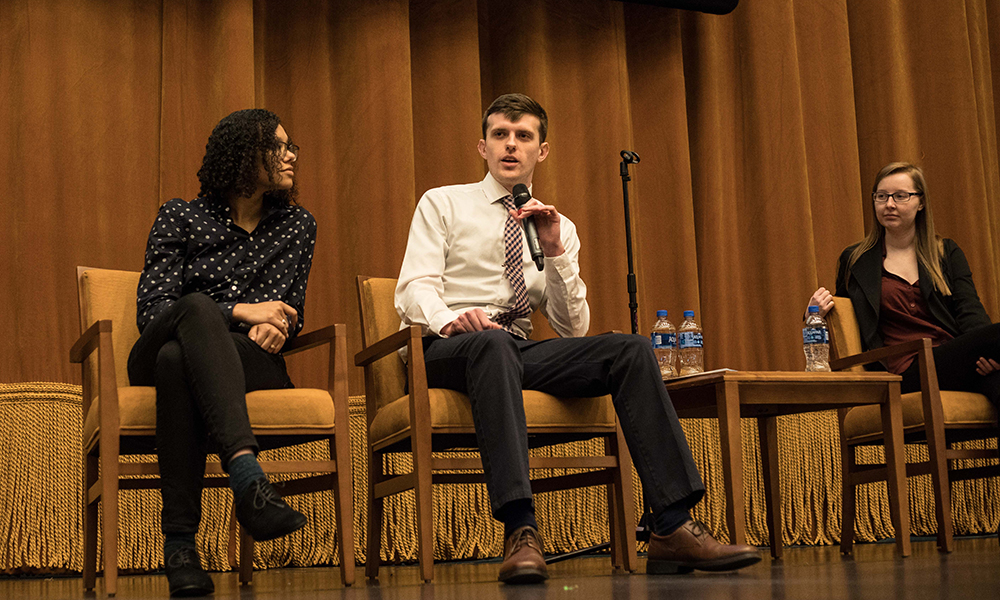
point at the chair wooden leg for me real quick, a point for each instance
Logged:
(373, 549)
(89, 524)
(246, 557)
(936, 448)
(614, 526)
(623, 517)
(895, 462)
(767, 430)
(109, 516)
(344, 506)
(942, 505)
(848, 497)
(728, 408)
(234, 530)
(425, 512)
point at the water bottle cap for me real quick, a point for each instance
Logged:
(661, 314)
(688, 314)
(813, 309)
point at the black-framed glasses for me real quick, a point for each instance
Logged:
(897, 197)
(287, 147)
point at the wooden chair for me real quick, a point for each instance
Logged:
(950, 417)
(427, 420)
(121, 419)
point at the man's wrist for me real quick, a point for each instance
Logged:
(553, 251)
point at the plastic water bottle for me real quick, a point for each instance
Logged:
(664, 338)
(816, 342)
(690, 343)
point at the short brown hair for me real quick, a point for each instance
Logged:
(515, 106)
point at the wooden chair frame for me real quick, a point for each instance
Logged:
(104, 474)
(934, 433)
(613, 469)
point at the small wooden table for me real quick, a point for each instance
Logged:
(764, 395)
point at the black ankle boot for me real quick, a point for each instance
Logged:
(185, 575)
(263, 513)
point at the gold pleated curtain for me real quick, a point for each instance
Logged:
(759, 132)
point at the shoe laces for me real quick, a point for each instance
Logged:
(184, 557)
(698, 529)
(526, 536)
(265, 494)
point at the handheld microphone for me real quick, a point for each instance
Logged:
(522, 195)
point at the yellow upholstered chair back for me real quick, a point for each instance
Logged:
(379, 320)
(845, 337)
(106, 294)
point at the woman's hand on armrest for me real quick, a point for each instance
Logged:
(823, 299)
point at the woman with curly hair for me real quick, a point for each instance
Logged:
(908, 283)
(222, 291)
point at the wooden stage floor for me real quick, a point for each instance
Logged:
(972, 572)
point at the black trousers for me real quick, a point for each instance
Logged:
(955, 362)
(202, 372)
(493, 367)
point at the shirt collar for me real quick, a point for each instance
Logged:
(493, 190)
(221, 210)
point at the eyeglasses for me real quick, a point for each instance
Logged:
(898, 197)
(289, 147)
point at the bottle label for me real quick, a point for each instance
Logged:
(690, 339)
(815, 335)
(664, 340)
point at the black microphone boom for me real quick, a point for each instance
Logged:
(521, 196)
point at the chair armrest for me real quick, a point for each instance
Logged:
(383, 347)
(88, 341)
(318, 337)
(876, 355)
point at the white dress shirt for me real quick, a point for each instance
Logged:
(454, 262)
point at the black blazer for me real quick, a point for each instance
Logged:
(958, 313)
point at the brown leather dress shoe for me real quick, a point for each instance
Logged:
(692, 547)
(522, 557)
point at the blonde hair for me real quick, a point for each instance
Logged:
(929, 246)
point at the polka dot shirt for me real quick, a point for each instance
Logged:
(196, 247)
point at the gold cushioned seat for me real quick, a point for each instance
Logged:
(451, 410)
(960, 409)
(309, 409)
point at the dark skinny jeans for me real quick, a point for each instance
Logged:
(955, 363)
(202, 372)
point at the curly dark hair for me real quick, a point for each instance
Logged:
(231, 157)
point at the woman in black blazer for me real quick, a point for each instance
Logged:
(907, 283)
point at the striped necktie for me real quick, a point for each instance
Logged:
(513, 269)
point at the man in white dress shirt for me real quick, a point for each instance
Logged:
(474, 305)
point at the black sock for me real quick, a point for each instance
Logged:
(243, 471)
(516, 514)
(172, 542)
(670, 518)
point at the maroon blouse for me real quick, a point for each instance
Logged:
(904, 317)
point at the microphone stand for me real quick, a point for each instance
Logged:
(644, 528)
(629, 158)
